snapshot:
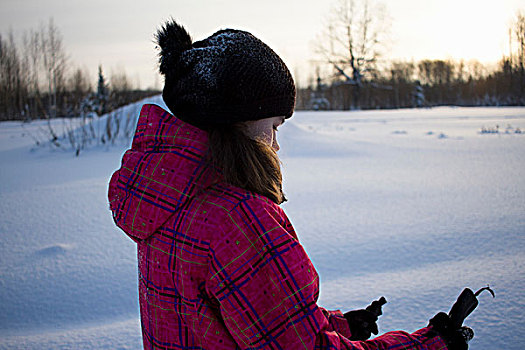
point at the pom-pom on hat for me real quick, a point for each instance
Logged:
(226, 78)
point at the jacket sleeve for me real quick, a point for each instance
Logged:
(337, 322)
(267, 288)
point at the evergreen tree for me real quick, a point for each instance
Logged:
(102, 95)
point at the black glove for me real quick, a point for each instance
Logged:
(362, 322)
(450, 327)
(456, 338)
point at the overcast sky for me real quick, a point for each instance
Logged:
(119, 33)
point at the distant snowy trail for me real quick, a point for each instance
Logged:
(414, 205)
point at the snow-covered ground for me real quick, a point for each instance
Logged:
(414, 205)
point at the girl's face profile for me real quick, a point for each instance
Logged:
(264, 130)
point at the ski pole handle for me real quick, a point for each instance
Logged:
(464, 305)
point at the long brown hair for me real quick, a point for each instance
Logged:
(246, 163)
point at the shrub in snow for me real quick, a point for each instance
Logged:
(490, 130)
(495, 130)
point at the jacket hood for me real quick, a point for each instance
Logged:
(165, 167)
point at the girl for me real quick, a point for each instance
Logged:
(220, 266)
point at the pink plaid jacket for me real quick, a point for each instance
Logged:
(219, 267)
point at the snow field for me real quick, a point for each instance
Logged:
(414, 205)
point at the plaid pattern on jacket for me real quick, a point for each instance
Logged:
(219, 267)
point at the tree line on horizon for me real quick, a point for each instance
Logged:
(39, 81)
(425, 83)
(357, 77)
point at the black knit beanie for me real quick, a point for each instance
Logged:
(226, 78)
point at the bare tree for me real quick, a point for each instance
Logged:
(353, 40)
(119, 80)
(78, 87)
(120, 87)
(12, 85)
(32, 46)
(401, 77)
(54, 61)
(519, 32)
